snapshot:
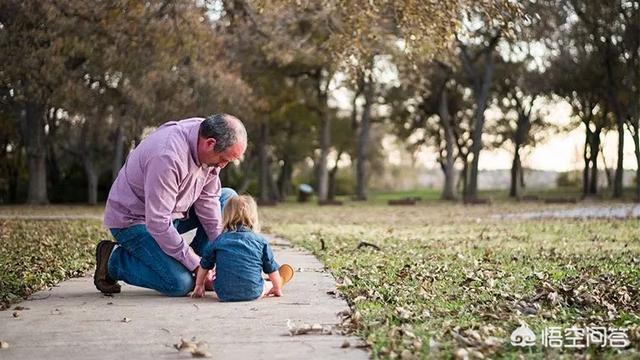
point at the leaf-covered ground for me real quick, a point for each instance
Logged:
(35, 254)
(447, 280)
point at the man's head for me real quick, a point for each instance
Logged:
(222, 139)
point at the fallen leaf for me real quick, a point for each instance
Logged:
(345, 344)
(304, 329)
(20, 308)
(4, 345)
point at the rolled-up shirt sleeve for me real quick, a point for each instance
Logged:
(208, 260)
(269, 264)
(160, 191)
(207, 207)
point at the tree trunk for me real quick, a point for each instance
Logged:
(595, 149)
(53, 169)
(325, 136)
(587, 160)
(514, 189)
(274, 192)
(35, 144)
(284, 179)
(481, 96)
(464, 176)
(617, 182)
(92, 179)
(607, 170)
(325, 140)
(522, 130)
(13, 184)
(332, 179)
(363, 139)
(620, 118)
(118, 152)
(264, 162)
(449, 138)
(636, 149)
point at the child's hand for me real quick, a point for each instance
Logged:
(198, 291)
(275, 292)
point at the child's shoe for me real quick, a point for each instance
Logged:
(286, 273)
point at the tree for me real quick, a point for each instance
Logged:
(608, 32)
(430, 108)
(348, 33)
(115, 66)
(517, 89)
(480, 78)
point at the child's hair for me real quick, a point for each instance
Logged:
(240, 210)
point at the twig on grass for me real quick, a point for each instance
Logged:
(364, 243)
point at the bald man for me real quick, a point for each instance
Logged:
(169, 185)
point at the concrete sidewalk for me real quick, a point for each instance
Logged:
(74, 321)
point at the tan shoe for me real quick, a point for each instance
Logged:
(286, 273)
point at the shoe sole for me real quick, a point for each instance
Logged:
(286, 273)
(109, 289)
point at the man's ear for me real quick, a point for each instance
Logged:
(211, 143)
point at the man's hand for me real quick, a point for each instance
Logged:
(198, 291)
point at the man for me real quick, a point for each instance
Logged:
(168, 186)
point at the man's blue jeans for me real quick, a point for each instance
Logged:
(139, 260)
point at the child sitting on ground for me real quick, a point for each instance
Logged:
(240, 255)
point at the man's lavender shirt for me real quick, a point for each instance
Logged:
(161, 179)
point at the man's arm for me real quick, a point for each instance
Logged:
(207, 207)
(160, 191)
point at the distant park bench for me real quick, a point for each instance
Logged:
(405, 201)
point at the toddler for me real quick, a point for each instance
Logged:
(240, 255)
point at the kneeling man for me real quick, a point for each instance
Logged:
(169, 185)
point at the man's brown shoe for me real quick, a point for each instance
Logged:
(101, 278)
